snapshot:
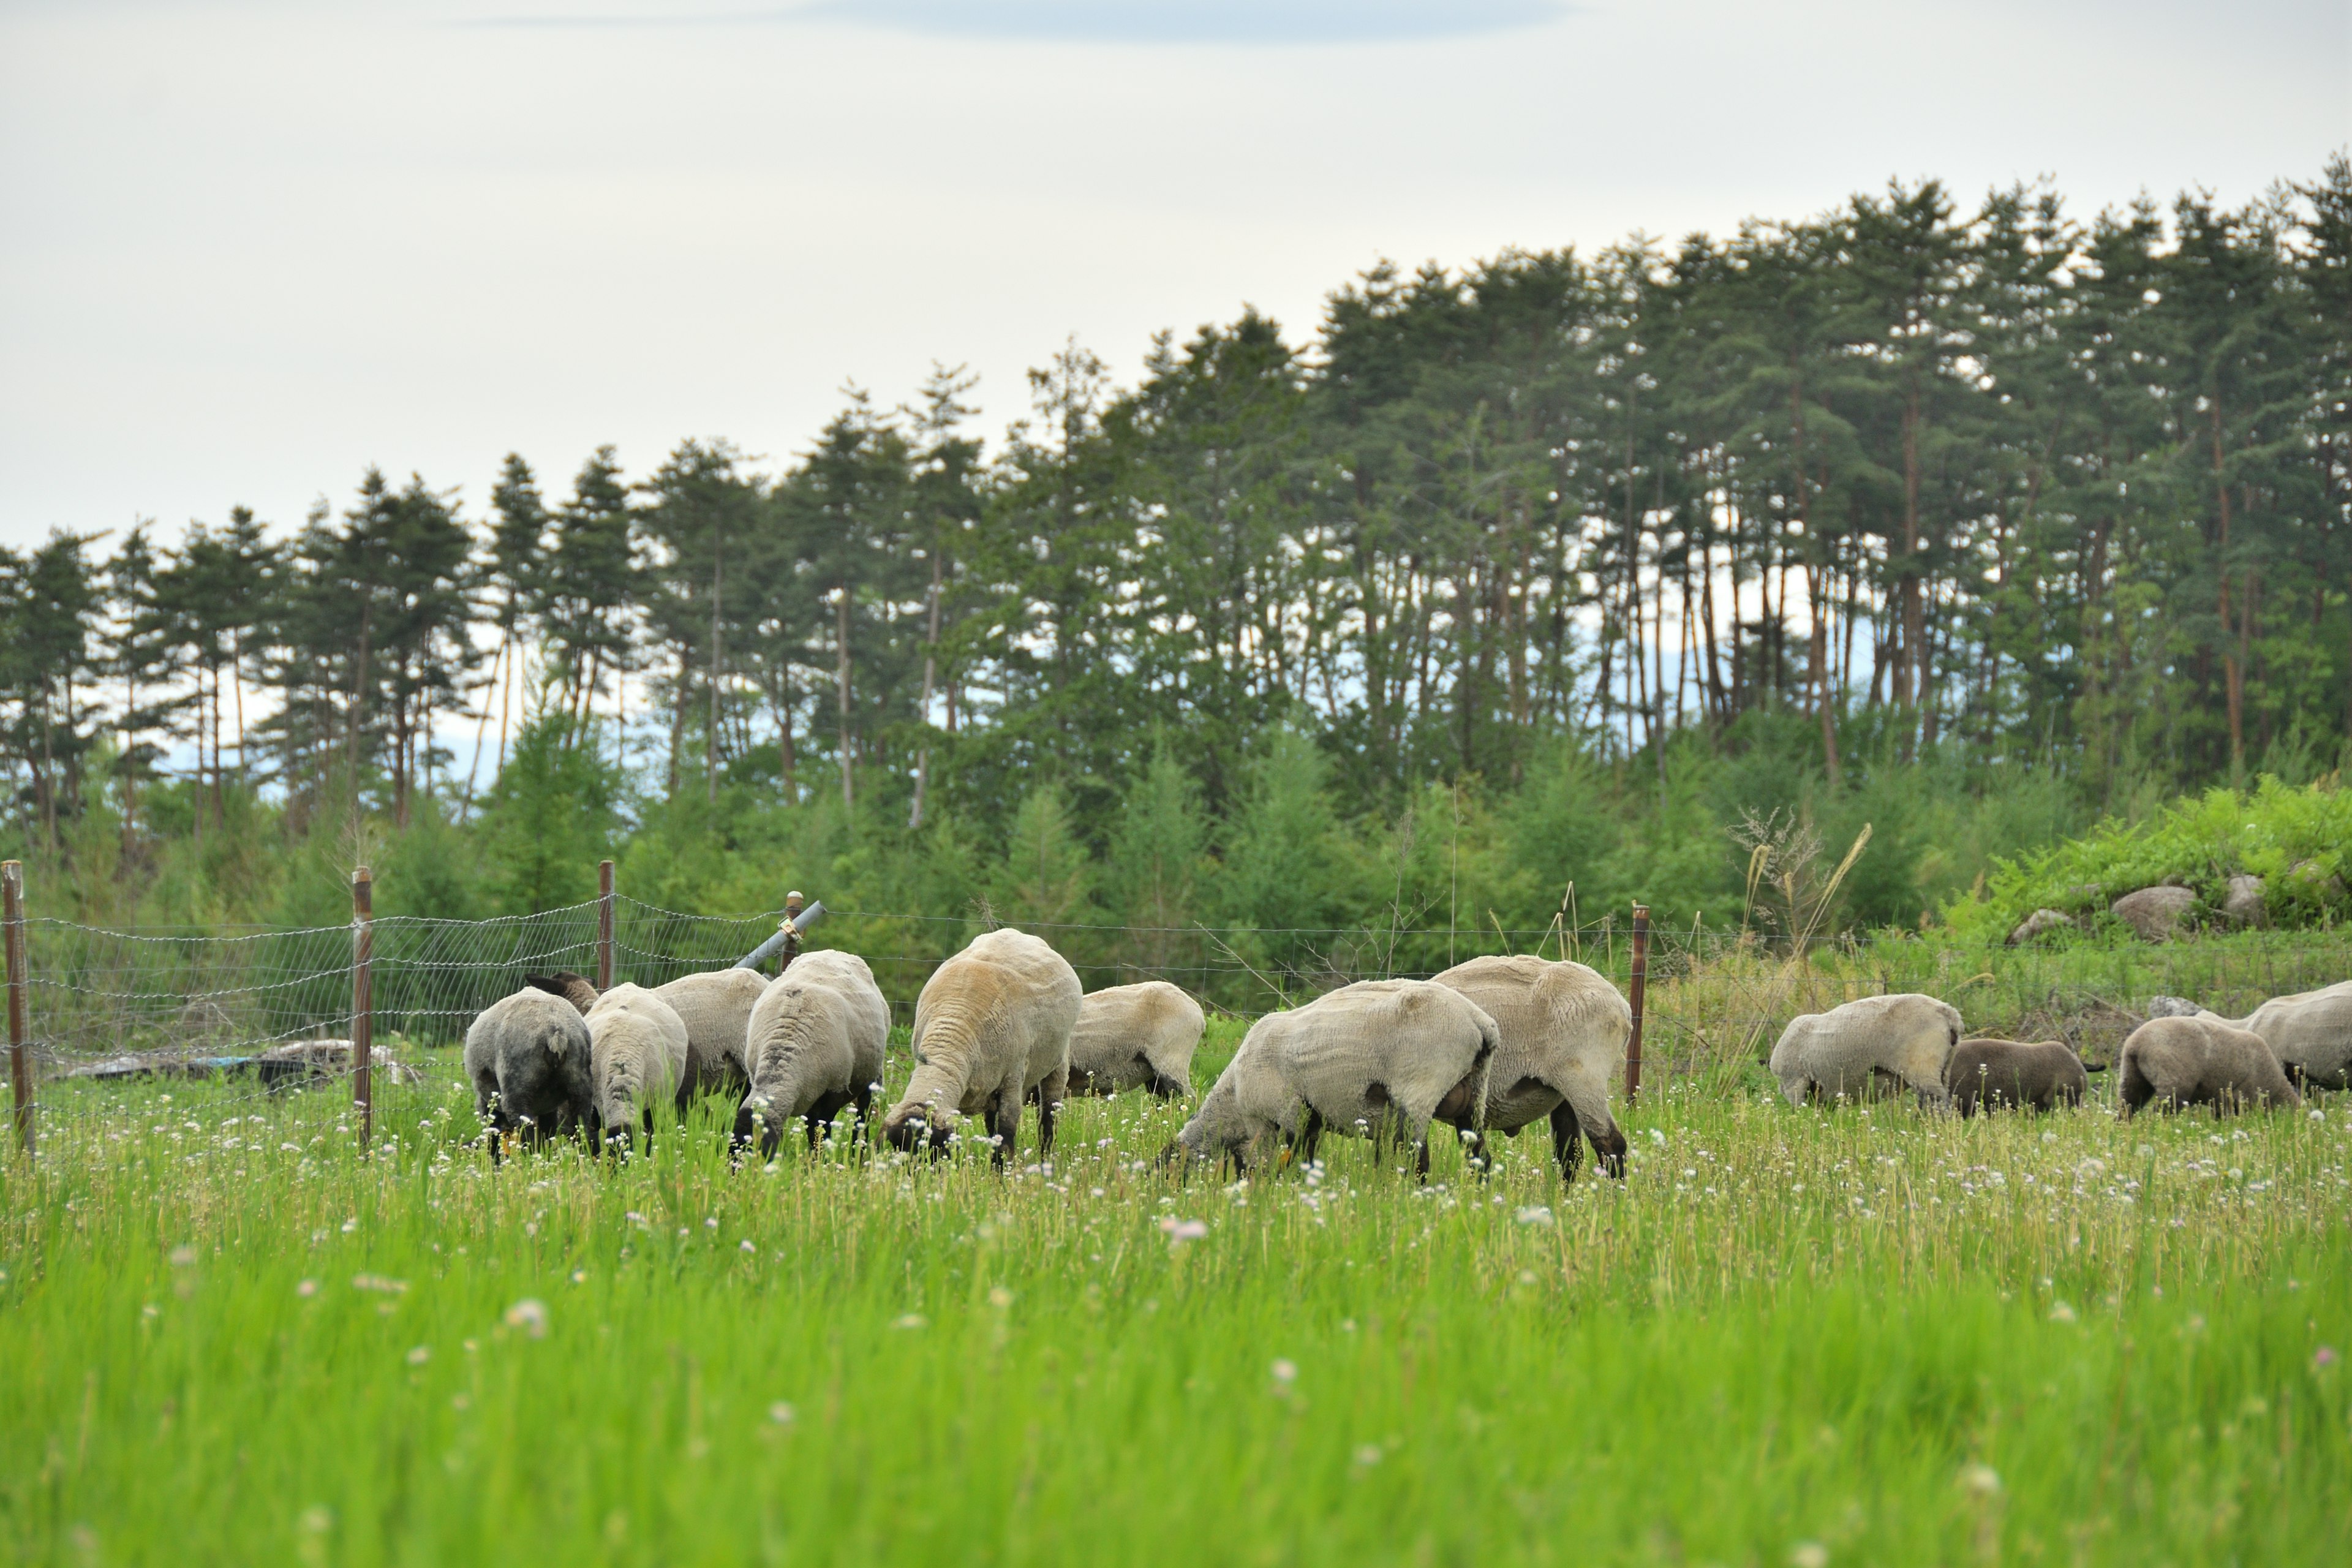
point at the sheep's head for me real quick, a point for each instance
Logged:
(755, 1122)
(909, 1126)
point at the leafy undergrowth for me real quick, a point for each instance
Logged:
(1858, 1335)
(2298, 840)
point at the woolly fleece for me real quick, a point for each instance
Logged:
(815, 1044)
(993, 1022)
(1904, 1036)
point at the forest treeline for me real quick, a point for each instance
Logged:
(1973, 523)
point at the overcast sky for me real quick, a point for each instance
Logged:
(247, 249)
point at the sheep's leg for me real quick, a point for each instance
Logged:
(1004, 1121)
(1167, 1088)
(1421, 1153)
(1310, 1134)
(821, 1115)
(1051, 1093)
(1567, 1140)
(1478, 1155)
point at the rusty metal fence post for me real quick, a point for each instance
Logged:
(362, 1000)
(603, 925)
(20, 1049)
(1641, 985)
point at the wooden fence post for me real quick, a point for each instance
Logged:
(362, 1000)
(20, 1049)
(603, 925)
(1641, 984)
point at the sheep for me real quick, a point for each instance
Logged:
(2309, 1032)
(527, 1057)
(2199, 1061)
(814, 1045)
(1905, 1036)
(991, 1023)
(1564, 1028)
(716, 1009)
(1986, 1074)
(637, 1048)
(1376, 1056)
(576, 989)
(1129, 1035)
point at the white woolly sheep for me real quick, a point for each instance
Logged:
(716, 1009)
(2178, 1062)
(1564, 1028)
(814, 1045)
(2309, 1032)
(527, 1057)
(638, 1048)
(993, 1022)
(1375, 1057)
(1903, 1036)
(1129, 1035)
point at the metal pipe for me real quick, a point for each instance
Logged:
(794, 925)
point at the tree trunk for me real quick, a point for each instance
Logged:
(1908, 673)
(930, 675)
(711, 729)
(841, 690)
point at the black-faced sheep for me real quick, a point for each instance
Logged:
(1990, 1074)
(716, 1009)
(1374, 1059)
(637, 1048)
(993, 1022)
(814, 1045)
(1129, 1035)
(1905, 1036)
(528, 1057)
(2177, 1062)
(576, 989)
(1564, 1028)
(2309, 1032)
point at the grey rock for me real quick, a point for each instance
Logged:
(2040, 923)
(2243, 903)
(2306, 879)
(2156, 914)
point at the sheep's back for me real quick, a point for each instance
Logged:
(715, 1005)
(1020, 998)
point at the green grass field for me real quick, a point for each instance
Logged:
(1856, 1336)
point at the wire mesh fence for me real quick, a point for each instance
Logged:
(267, 1009)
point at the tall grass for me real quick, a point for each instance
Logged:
(1854, 1335)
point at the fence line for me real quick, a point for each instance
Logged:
(388, 990)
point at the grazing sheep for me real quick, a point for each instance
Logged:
(1564, 1029)
(2309, 1032)
(527, 1057)
(716, 1009)
(637, 1048)
(1987, 1074)
(993, 1022)
(814, 1045)
(576, 989)
(1376, 1056)
(2199, 1061)
(1130, 1034)
(1905, 1036)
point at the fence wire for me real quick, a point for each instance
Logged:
(105, 1006)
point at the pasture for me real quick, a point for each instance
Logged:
(1861, 1335)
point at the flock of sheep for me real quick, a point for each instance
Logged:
(1489, 1046)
